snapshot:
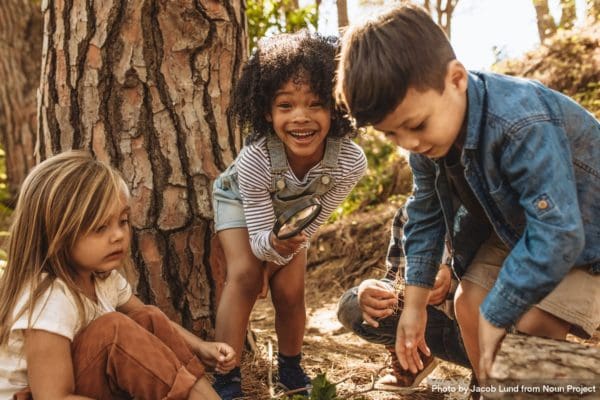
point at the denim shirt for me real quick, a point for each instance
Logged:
(532, 157)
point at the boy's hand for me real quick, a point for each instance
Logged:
(377, 300)
(287, 247)
(219, 356)
(490, 337)
(410, 336)
(443, 280)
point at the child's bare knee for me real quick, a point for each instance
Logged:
(247, 279)
(537, 322)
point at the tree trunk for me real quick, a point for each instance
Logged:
(568, 14)
(528, 367)
(592, 11)
(21, 49)
(342, 12)
(443, 11)
(146, 84)
(545, 23)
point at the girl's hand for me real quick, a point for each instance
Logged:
(376, 300)
(443, 280)
(410, 337)
(216, 355)
(490, 337)
(287, 247)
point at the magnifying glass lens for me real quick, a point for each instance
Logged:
(298, 221)
(295, 220)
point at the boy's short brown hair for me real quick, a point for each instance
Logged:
(383, 57)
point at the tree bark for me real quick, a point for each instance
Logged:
(342, 12)
(21, 50)
(545, 23)
(145, 85)
(526, 363)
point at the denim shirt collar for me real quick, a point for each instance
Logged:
(476, 97)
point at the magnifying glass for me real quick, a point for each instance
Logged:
(293, 220)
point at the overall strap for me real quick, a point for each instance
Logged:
(278, 162)
(332, 151)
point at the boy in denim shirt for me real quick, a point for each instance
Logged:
(522, 160)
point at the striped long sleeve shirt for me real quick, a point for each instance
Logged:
(254, 178)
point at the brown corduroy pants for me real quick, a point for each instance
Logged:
(138, 356)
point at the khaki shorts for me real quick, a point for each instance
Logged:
(576, 299)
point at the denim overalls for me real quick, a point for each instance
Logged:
(227, 201)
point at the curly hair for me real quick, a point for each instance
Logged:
(277, 60)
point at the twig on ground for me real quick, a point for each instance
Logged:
(371, 388)
(270, 373)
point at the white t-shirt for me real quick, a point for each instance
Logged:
(55, 312)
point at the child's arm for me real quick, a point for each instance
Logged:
(536, 165)
(49, 366)
(254, 179)
(219, 356)
(424, 234)
(410, 333)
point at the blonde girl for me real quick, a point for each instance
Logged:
(70, 327)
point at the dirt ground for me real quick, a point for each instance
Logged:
(329, 348)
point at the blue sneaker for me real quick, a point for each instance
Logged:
(229, 386)
(291, 374)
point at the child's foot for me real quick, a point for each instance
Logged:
(401, 378)
(229, 386)
(291, 374)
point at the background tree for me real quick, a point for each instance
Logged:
(592, 11)
(441, 10)
(267, 17)
(568, 14)
(21, 49)
(146, 85)
(342, 13)
(547, 25)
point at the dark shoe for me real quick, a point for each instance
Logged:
(292, 376)
(229, 386)
(401, 378)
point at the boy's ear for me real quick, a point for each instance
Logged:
(457, 76)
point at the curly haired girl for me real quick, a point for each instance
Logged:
(298, 147)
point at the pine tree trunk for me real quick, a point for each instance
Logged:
(21, 50)
(146, 85)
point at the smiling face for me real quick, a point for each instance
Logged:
(301, 120)
(105, 246)
(428, 122)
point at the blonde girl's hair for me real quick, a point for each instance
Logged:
(62, 199)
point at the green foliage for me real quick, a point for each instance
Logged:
(387, 175)
(322, 389)
(270, 17)
(590, 98)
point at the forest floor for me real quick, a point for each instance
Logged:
(328, 347)
(357, 248)
(332, 350)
